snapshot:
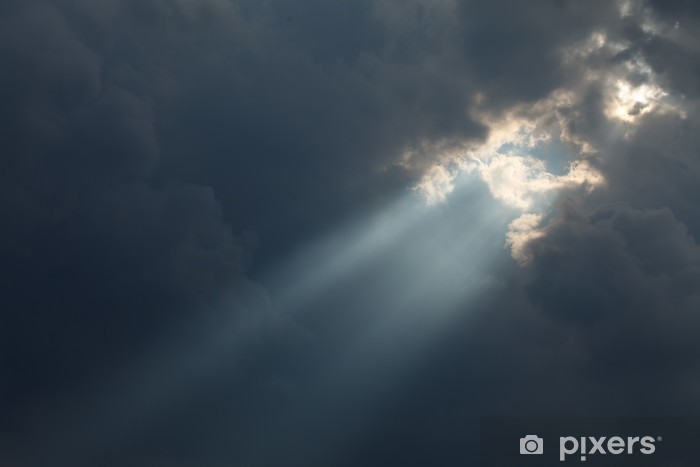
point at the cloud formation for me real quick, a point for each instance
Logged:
(160, 156)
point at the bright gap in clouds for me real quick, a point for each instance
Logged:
(518, 164)
(531, 154)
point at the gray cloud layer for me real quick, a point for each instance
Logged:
(144, 141)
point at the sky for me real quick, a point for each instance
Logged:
(326, 234)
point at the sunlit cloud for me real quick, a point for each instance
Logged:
(628, 101)
(437, 183)
(520, 181)
(507, 132)
(507, 164)
(510, 160)
(520, 232)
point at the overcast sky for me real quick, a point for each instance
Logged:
(311, 233)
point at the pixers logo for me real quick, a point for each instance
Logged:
(585, 446)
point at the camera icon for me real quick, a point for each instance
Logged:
(531, 444)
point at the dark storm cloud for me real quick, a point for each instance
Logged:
(97, 261)
(601, 322)
(250, 100)
(518, 56)
(671, 50)
(142, 139)
(618, 272)
(604, 316)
